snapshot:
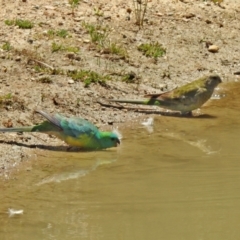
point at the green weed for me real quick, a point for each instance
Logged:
(114, 48)
(51, 33)
(98, 33)
(24, 24)
(63, 33)
(56, 47)
(6, 46)
(9, 22)
(59, 47)
(60, 33)
(88, 77)
(74, 4)
(154, 50)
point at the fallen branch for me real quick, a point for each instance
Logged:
(43, 64)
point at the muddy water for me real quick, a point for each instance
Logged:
(178, 180)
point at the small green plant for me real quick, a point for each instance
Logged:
(140, 9)
(24, 24)
(10, 22)
(98, 12)
(38, 69)
(6, 46)
(56, 47)
(71, 49)
(7, 96)
(62, 33)
(114, 48)
(74, 4)
(215, 1)
(154, 50)
(51, 33)
(6, 99)
(59, 47)
(97, 33)
(88, 77)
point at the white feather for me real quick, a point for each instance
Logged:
(115, 130)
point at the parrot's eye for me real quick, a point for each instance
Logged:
(115, 140)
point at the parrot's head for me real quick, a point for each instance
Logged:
(213, 80)
(110, 139)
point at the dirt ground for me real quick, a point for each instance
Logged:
(33, 76)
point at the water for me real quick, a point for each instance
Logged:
(180, 181)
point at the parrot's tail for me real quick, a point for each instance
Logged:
(142, 101)
(18, 129)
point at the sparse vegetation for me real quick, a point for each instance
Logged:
(60, 47)
(154, 50)
(98, 33)
(24, 24)
(6, 99)
(99, 36)
(140, 9)
(57, 47)
(115, 48)
(98, 12)
(216, 1)
(7, 96)
(74, 4)
(88, 77)
(6, 46)
(63, 33)
(72, 49)
(10, 22)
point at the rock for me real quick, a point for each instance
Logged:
(18, 59)
(70, 81)
(213, 48)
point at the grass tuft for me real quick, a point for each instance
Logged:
(154, 50)
(88, 77)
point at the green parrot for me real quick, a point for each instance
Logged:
(76, 132)
(184, 99)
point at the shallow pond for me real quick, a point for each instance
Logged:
(178, 180)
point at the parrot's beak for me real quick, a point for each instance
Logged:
(118, 142)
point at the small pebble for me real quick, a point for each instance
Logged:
(70, 81)
(213, 48)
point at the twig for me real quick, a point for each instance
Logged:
(44, 64)
(110, 105)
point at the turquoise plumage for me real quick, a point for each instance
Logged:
(74, 131)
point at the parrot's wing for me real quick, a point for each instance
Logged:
(70, 126)
(77, 126)
(156, 95)
(55, 120)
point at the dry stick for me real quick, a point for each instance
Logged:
(44, 64)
